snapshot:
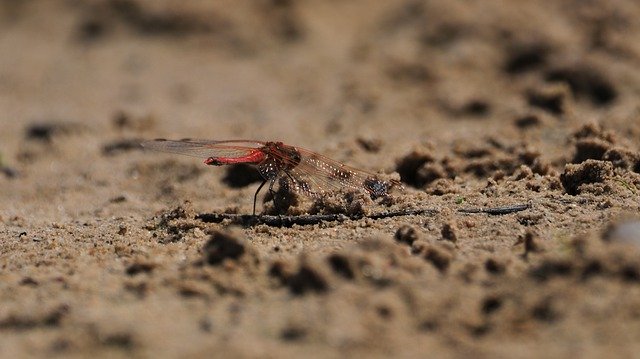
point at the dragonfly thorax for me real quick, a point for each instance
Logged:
(278, 158)
(285, 157)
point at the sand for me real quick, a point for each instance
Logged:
(108, 250)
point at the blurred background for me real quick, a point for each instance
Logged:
(364, 82)
(315, 73)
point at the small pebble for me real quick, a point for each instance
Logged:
(626, 232)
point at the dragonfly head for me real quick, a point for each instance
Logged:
(212, 161)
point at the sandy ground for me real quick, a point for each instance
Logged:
(471, 104)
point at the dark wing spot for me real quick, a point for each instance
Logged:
(376, 187)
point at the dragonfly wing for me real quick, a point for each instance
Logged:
(205, 148)
(299, 182)
(317, 174)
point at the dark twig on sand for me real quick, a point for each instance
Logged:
(288, 221)
(310, 219)
(497, 210)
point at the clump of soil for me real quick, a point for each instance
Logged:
(584, 176)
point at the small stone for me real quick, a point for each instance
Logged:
(626, 233)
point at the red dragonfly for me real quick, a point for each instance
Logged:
(308, 172)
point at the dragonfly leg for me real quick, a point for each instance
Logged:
(255, 196)
(273, 193)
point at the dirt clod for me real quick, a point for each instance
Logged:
(589, 171)
(222, 246)
(121, 146)
(590, 148)
(585, 81)
(412, 168)
(406, 234)
(439, 256)
(448, 232)
(46, 131)
(527, 121)
(140, 267)
(552, 99)
(305, 278)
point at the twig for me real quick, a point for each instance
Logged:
(288, 221)
(497, 210)
(249, 220)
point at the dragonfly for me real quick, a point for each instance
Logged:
(307, 172)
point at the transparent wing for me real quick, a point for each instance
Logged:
(205, 148)
(315, 175)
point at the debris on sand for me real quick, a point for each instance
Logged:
(45, 131)
(577, 177)
(223, 246)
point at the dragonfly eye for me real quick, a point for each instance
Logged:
(212, 161)
(376, 187)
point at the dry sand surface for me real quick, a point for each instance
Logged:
(110, 250)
